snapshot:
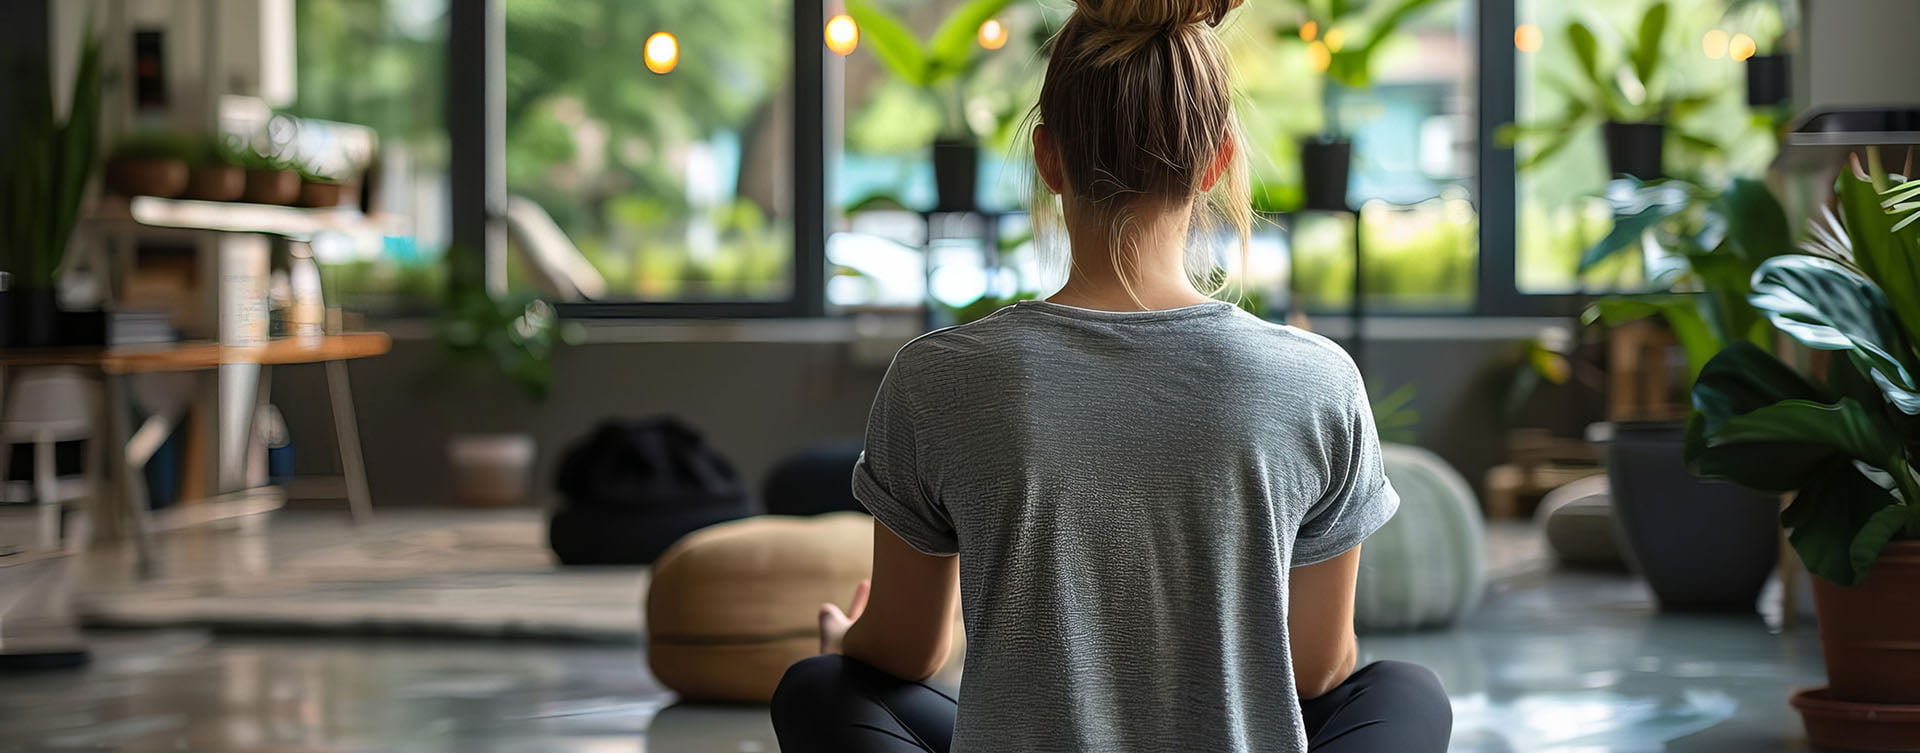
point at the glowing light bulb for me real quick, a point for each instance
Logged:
(1528, 38)
(1741, 47)
(1319, 56)
(842, 35)
(1336, 39)
(1309, 31)
(662, 53)
(1714, 44)
(993, 34)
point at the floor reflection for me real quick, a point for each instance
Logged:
(1552, 663)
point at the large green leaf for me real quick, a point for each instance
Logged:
(1840, 521)
(1827, 306)
(951, 49)
(1756, 223)
(1845, 426)
(1742, 379)
(1886, 256)
(891, 42)
(1586, 50)
(1725, 277)
(1637, 208)
(1646, 50)
(1388, 23)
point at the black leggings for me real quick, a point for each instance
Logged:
(833, 704)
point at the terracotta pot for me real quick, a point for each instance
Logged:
(165, 178)
(321, 193)
(272, 187)
(1841, 725)
(216, 183)
(491, 470)
(1870, 633)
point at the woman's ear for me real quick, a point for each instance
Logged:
(1047, 159)
(1221, 161)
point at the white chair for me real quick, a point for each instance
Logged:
(44, 406)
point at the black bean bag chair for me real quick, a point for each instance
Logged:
(814, 481)
(633, 487)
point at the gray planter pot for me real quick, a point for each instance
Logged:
(1702, 545)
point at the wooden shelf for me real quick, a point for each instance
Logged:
(201, 356)
(119, 214)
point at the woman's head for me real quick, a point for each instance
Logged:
(1136, 121)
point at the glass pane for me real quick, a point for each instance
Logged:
(379, 63)
(1412, 130)
(675, 185)
(1412, 134)
(1697, 90)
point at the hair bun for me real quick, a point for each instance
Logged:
(1155, 14)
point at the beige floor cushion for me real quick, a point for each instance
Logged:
(733, 605)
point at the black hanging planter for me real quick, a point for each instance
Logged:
(956, 174)
(1769, 80)
(1325, 167)
(1636, 149)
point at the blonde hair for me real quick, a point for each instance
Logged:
(1138, 100)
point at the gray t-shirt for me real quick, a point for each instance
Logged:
(1126, 491)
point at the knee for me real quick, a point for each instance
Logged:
(806, 681)
(1410, 685)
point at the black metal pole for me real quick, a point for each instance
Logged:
(1495, 282)
(476, 144)
(809, 158)
(1357, 309)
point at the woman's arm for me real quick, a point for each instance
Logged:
(903, 623)
(1320, 623)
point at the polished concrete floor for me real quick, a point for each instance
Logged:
(1553, 662)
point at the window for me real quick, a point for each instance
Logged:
(667, 161)
(379, 63)
(1712, 137)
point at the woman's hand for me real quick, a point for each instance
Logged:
(834, 623)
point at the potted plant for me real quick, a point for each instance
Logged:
(490, 340)
(219, 174)
(938, 68)
(150, 163)
(1701, 544)
(1769, 71)
(43, 177)
(320, 189)
(271, 178)
(1843, 440)
(1346, 60)
(1629, 94)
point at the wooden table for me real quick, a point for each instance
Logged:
(118, 491)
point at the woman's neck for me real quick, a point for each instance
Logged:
(1151, 270)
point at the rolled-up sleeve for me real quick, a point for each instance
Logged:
(1358, 500)
(889, 478)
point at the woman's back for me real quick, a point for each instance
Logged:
(1127, 492)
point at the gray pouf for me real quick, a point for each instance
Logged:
(1577, 520)
(1423, 569)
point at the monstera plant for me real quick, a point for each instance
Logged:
(1845, 441)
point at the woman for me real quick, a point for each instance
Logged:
(1156, 500)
